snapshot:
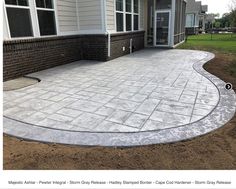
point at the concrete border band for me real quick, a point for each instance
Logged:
(221, 114)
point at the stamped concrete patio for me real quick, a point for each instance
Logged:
(151, 96)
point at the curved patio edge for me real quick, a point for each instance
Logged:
(222, 113)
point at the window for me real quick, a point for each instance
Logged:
(46, 17)
(136, 22)
(19, 20)
(128, 22)
(190, 20)
(128, 6)
(44, 4)
(119, 15)
(127, 15)
(136, 15)
(119, 5)
(136, 6)
(21, 14)
(119, 22)
(17, 2)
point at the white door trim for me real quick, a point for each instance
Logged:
(155, 28)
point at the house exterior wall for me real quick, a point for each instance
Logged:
(67, 16)
(124, 43)
(179, 33)
(110, 12)
(21, 57)
(176, 29)
(142, 12)
(204, 8)
(81, 34)
(72, 17)
(193, 9)
(86, 29)
(26, 56)
(194, 12)
(90, 16)
(193, 6)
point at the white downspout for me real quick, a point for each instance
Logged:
(172, 23)
(105, 27)
(109, 44)
(131, 46)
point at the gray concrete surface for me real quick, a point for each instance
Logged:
(150, 92)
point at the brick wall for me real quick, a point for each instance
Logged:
(120, 40)
(21, 57)
(94, 47)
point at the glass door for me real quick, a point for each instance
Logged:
(162, 28)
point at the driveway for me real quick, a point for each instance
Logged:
(148, 92)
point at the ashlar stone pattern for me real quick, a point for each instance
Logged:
(148, 90)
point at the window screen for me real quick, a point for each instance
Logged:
(46, 17)
(119, 22)
(136, 22)
(119, 5)
(136, 6)
(19, 22)
(128, 6)
(44, 4)
(128, 22)
(46, 22)
(17, 2)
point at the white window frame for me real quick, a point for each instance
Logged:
(18, 7)
(34, 19)
(46, 9)
(169, 28)
(132, 13)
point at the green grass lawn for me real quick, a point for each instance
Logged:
(222, 45)
(225, 43)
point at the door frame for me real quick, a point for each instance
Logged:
(155, 28)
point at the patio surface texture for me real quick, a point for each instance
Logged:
(148, 97)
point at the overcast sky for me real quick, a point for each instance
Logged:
(217, 6)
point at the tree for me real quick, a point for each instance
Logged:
(225, 20)
(233, 13)
(217, 24)
(233, 18)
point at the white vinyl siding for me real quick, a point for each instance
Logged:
(90, 15)
(141, 9)
(79, 17)
(110, 7)
(67, 15)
